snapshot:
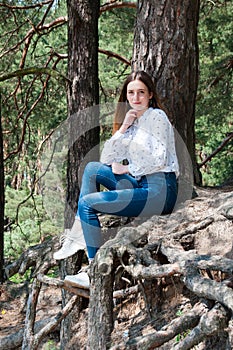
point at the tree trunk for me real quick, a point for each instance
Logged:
(2, 201)
(83, 129)
(165, 44)
(83, 94)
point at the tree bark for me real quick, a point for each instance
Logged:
(2, 201)
(100, 318)
(83, 123)
(165, 45)
(82, 94)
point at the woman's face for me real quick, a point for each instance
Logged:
(138, 95)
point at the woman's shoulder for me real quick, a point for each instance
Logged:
(157, 112)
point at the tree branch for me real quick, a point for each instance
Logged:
(117, 4)
(54, 322)
(115, 55)
(26, 7)
(217, 150)
(33, 70)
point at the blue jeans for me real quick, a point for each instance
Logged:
(153, 194)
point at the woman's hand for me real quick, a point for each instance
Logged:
(119, 169)
(130, 117)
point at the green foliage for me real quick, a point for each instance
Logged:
(28, 222)
(22, 123)
(17, 278)
(115, 35)
(50, 345)
(214, 112)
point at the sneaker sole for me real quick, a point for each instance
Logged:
(73, 284)
(67, 256)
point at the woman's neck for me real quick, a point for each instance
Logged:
(140, 113)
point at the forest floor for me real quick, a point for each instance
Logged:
(130, 313)
(13, 298)
(137, 314)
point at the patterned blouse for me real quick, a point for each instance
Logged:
(148, 145)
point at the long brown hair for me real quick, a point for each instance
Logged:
(123, 106)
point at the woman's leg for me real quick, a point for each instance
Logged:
(96, 174)
(149, 196)
(152, 195)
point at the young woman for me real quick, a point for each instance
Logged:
(146, 186)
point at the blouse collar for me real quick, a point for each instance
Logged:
(143, 116)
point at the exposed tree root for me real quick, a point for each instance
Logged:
(208, 277)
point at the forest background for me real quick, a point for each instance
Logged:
(40, 108)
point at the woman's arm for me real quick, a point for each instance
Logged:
(116, 148)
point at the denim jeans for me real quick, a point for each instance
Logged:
(124, 195)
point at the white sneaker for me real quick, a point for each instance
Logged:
(80, 280)
(71, 242)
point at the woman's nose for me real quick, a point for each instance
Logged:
(136, 96)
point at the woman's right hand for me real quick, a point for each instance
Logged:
(130, 117)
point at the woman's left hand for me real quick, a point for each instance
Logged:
(119, 169)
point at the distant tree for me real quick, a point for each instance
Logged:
(214, 112)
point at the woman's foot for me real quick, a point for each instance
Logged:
(81, 280)
(71, 241)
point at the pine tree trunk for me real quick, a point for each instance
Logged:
(83, 129)
(83, 93)
(165, 44)
(2, 202)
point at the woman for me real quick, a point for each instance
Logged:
(146, 186)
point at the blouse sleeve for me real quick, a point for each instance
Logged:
(115, 149)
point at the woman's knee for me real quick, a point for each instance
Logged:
(92, 167)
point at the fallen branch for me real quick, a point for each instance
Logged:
(28, 338)
(192, 229)
(35, 256)
(53, 323)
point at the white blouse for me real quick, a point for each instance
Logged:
(148, 145)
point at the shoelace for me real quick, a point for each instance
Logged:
(65, 237)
